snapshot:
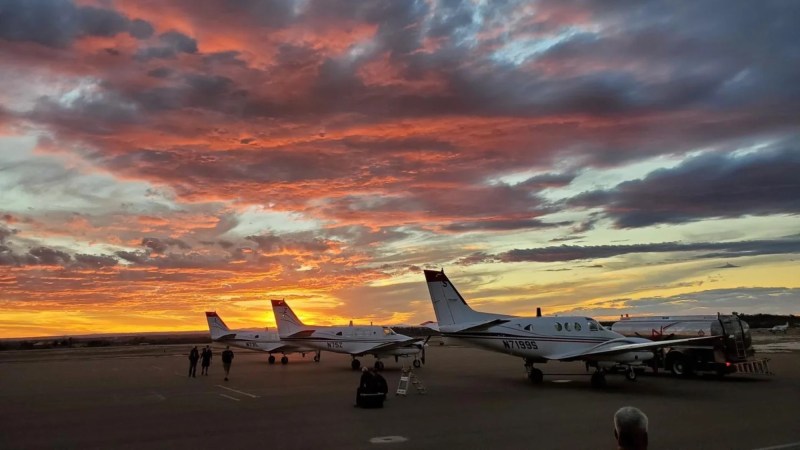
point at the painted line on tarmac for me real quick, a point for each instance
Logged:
(388, 440)
(229, 397)
(777, 447)
(562, 381)
(238, 392)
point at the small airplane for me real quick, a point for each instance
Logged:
(540, 339)
(780, 328)
(353, 340)
(261, 340)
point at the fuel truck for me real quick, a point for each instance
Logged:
(732, 352)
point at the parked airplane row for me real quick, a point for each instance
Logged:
(534, 339)
(294, 336)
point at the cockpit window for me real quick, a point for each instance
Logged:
(388, 331)
(527, 327)
(339, 333)
(593, 326)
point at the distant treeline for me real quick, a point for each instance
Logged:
(105, 341)
(768, 320)
(753, 320)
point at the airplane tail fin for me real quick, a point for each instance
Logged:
(287, 321)
(216, 326)
(448, 304)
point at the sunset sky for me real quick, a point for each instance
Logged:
(163, 158)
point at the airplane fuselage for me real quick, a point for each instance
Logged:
(354, 340)
(264, 341)
(543, 338)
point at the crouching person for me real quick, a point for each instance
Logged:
(368, 394)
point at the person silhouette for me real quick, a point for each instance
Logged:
(194, 355)
(227, 360)
(205, 360)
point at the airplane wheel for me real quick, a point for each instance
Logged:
(316, 358)
(598, 379)
(356, 364)
(630, 375)
(284, 360)
(271, 359)
(536, 376)
(417, 364)
(378, 365)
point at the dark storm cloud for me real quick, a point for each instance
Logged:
(159, 246)
(170, 45)
(160, 72)
(50, 257)
(57, 23)
(750, 300)
(714, 50)
(501, 225)
(271, 243)
(711, 249)
(710, 185)
(95, 261)
(6, 232)
(133, 257)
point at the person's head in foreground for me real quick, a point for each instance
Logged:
(630, 428)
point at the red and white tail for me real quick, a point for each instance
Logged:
(216, 326)
(287, 321)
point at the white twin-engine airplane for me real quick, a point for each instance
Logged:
(539, 339)
(353, 340)
(261, 340)
(780, 328)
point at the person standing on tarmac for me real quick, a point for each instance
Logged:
(227, 359)
(205, 358)
(194, 355)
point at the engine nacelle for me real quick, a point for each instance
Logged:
(629, 358)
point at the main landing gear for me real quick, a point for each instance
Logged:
(317, 356)
(599, 378)
(535, 375)
(599, 375)
(355, 364)
(284, 359)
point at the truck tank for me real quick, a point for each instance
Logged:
(733, 351)
(658, 328)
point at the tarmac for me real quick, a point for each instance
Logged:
(140, 397)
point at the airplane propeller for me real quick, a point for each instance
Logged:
(424, 344)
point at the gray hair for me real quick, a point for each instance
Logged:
(630, 420)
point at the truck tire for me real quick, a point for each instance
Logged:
(679, 365)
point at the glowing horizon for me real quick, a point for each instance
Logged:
(163, 158)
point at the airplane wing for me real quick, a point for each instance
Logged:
(300, 334)
(379, 348)
(276, 347)
(622, 345)
(471, 326)
(226, 337)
